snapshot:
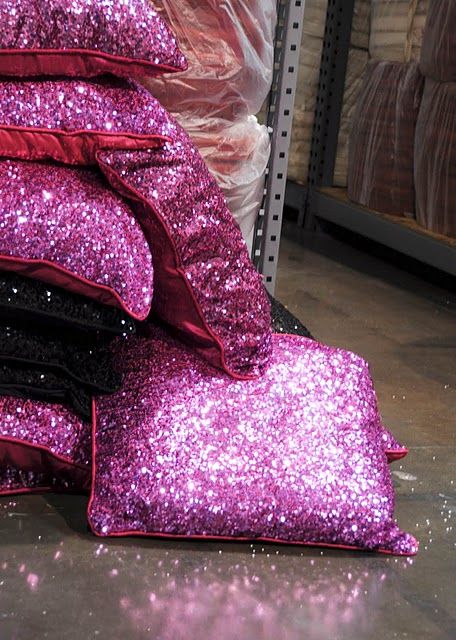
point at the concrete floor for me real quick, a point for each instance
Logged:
(57, 581)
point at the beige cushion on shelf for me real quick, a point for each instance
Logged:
(361, 24)
(438, 55)
(380, 172)
(309, 72)
(306, 96)
(418, 25)
(299, 161)
(391, 29)
(435, 158)
(357, 63)
(315, 17)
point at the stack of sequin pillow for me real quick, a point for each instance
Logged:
(204, 424)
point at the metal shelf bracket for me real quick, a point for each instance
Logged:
(280, 118)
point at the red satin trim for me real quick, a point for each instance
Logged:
(273, 541)
(169, 536)
(183, 312)
(394, 455)
(39, 459)
(69, 147)
(24, 490)
(59, 276)
(43, 489)
(84, 63)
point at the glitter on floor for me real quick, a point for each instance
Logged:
(57, 580)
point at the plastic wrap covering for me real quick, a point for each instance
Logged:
(237, 155)
(230, 51)
(380, 174)
(435, 158)
(307, 88)
(361, 24)
(357, 63)
(396, 29)
(438, 56)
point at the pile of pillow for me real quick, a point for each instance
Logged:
(204, 423)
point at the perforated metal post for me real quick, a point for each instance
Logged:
(280, 118)
(331, 85)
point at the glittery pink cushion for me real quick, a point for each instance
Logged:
(394, 450)
(42, 445)
(66, 227)
(206, 286)
(13, 481)
(69, 121)
(296, 456)
(85, 38)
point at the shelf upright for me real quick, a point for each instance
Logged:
(268, 230)
(319, 200)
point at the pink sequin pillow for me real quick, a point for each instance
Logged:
(69, 121)
(41, 446)
(206, 286)
(296, 456)
(66, 227)
(85, 38)
(15, 482)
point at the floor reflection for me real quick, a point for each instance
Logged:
(173, 592)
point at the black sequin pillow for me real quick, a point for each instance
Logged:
(24, 299)
(35, 383)
(52, 368)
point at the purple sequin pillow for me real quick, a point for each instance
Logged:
(42, 446)
(70, 121)
(296, 456)
(15, 482)
(66, 227)
(206, 286)
(85, 38)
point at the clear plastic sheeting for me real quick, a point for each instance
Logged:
(396, 29)
(438, 55)
(230, 51)
(237, 155)
(435, 158)
(380, 174)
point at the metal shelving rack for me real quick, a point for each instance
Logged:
(318, 200)
(279, 120)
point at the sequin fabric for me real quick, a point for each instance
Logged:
(108, 105)
(50, 426)
(295, 456)
(43, 304)
(13, 481)
(283, 321)
(392, 446)
(69, 218)
(205, 282)
(125, 28)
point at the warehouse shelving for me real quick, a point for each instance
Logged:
(279, 120)
(318, 199)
